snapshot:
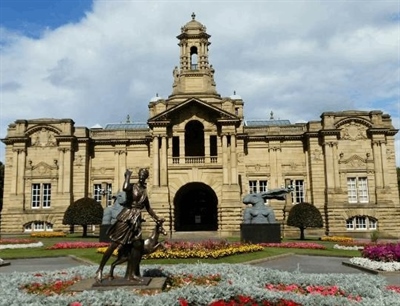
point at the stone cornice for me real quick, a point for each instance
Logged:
(13, 140)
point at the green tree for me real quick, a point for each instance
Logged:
(85, 211)
(304, 215)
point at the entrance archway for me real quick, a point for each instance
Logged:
(195, 207)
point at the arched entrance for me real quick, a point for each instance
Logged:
(196, 208)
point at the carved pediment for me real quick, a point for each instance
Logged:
(193, 105)
(354, 161)
(43, 169)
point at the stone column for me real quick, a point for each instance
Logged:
(336, 166)
(67, 170)
(384, 164)
(61, 170)
(329, 164)
(21, 170)
(14, 183)
(225, 159)
(163, 161)
(156, 159)
(234, 175)
(376, 150)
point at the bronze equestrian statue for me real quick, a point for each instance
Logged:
(126, 232)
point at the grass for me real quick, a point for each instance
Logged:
(92, 256)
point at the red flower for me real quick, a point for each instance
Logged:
(183, 302)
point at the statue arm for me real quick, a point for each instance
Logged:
(126, 186)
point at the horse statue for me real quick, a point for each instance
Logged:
(150, 245)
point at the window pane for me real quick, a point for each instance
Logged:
(46, 195)
(263, 186)
(298, 192)
(97, 192)
(109, 195)
(350, 224)
(363, 189)
(35, 195)
(372, 223)
(351, 190)
(361, 223)
(252, 186)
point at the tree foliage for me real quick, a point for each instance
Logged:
(85, 211)
(304, 215)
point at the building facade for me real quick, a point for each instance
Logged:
(203, 157)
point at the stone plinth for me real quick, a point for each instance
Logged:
(258, 233)
(149, 283)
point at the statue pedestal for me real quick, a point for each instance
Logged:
(103, 237)
(258, 233)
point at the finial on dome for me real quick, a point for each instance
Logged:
(272, 115)
(193, 16)
(234, 92)
(128, 119)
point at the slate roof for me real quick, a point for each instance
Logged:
(273, 122)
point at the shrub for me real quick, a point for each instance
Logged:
(85, 211)
(382, 252)
(304, 215)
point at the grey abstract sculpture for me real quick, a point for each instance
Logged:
(111, 212)
(259, 213)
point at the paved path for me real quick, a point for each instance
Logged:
(290, 263)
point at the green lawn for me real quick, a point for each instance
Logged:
(91, 255)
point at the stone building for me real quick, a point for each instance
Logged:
(203, 157)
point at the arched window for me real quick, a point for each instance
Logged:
(194, 139)
(361, 223)
(193, 58)
(38, 226)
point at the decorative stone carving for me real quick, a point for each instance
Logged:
(316, 155)
(43, 138)
(353, 131)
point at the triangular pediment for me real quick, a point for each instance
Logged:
(193, 105)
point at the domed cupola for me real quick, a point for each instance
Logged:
(194, 75)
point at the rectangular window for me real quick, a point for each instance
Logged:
(361, 223)
(175, 146)
(298, 195)
(41, 195)
(256, 186)
(350, 224)
(357, 190)
(99, 192)
(252, 186)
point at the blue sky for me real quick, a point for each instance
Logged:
(32, 17)
(98, 61)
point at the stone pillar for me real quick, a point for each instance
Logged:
(61, 170)
(376, 150)
(234, 178)
(329, 164)
(67, 170)
(207, 149)
(336, 166)
(384, 164)
(21, 171)
(14, 183)
(163, 162)
(120, 167)
(225, 159)
(156, 160)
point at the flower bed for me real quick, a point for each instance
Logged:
(297, 245)
(387, 252)
(48, 234)
(19, 244)
(207, 249)
(336, 238)
(77, 245)
(204, 284)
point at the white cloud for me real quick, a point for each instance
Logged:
(295, 58)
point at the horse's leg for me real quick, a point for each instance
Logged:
(106, 256)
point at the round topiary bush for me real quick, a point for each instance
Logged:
(304, 215)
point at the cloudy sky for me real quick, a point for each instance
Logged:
(97, 61)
